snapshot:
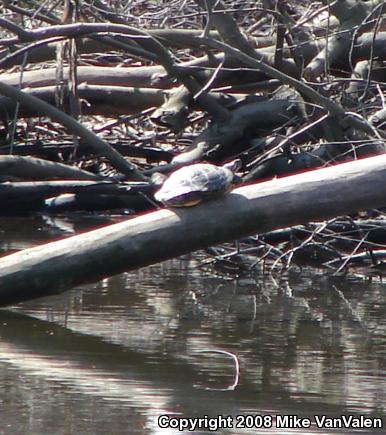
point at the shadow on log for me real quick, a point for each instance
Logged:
(163, 234)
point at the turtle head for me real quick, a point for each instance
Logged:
(234, 165)
(157, 179)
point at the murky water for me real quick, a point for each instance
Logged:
(166, 340)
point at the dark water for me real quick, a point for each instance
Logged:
(114, 356)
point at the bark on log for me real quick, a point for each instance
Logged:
(157, 236)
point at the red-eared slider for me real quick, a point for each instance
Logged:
(195, 183)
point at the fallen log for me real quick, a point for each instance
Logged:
(45, 189)
(156, 236)
(31, 168)
(96, 100)
(64, 195)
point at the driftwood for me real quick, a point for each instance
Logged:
(163, 234)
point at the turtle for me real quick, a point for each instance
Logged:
(198, 182)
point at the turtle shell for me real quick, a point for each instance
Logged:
(194, 183)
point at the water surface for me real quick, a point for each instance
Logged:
(114, 356)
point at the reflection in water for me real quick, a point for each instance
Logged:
(112, 357)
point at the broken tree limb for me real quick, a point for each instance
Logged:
(156, 236)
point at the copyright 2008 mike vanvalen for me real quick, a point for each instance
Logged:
(264, 421)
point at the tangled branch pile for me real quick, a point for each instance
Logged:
(97, 98)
